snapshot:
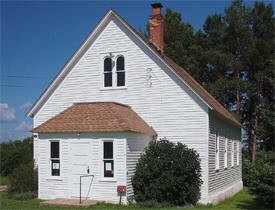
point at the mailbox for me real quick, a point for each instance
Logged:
(121, 189)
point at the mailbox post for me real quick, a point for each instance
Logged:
(121, 189)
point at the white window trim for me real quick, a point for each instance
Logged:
(107, 179)
(217, 151)
(226, 153)
(238, 153)
(232, 153)
(50, 161)
(114, 73)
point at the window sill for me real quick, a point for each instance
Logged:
(114, 88)
(55, 178)
(107, 180)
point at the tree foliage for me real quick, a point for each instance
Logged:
(232, 57)
(259, 177)
(24, 178)
(14, 153)
(169, 173)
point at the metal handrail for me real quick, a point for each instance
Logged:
(80, 185)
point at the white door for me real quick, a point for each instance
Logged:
(81, 164)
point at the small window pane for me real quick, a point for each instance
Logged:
(54, 149)
(55, 167)
(120, 63)
(120, 78)
(108, 80)
(108, 150)
(108, 168)
(108, 64)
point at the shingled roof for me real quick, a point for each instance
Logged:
(187, 78)
(96, 117)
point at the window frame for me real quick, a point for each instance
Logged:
(108, 159)
(114, 72)
(226, 153)
(108, 72)
(238, 152)
(54, 159)
(232, 152)
(217, 151)
(120, 71)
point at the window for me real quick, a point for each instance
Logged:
(108, 158)
(225, 152)
(55, 159)
(120, 70)
(116, 79)
(232, 153)
(217, 150)
(108, 75)
(238, 153)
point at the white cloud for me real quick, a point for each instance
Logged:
(26, 105)
(21, 132)
(24, 127)
(13, 135)
(7, 114)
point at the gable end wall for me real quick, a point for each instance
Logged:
(162, 100)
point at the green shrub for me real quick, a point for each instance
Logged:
(24, 179)
(23, 196)
(169, 173)
(153, 204)
(4, 180)
(249, 172)
(260, 177)
(14, 153)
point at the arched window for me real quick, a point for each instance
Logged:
(108, 80)
(120, 70)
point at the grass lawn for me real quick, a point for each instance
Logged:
(243, 200)
(4, 180)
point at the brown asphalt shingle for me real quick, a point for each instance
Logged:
(96, 117)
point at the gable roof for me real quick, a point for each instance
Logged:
(96, 117)
(206, 97)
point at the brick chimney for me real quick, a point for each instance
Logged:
(156, 26)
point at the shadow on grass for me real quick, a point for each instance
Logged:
(251, 204)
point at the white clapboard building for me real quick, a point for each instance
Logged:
(116, 93)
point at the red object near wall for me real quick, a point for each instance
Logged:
(121, 189)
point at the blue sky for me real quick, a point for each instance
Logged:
(38, 37)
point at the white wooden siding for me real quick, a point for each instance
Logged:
(61, 187)
(135, 146)
(224, 177)
(163, 101)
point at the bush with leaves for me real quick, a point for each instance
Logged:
(168, 173)
(260, 177)
(24, 179)
(14, 153)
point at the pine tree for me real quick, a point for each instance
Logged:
(236, 40)
(260, 60)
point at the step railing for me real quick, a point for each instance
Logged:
(80, 183)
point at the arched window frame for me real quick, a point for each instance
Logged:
(114, 72)
(108, 72)
(120, 71)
